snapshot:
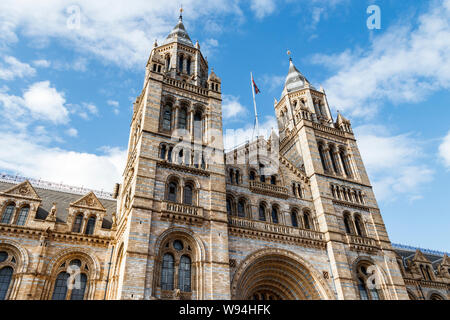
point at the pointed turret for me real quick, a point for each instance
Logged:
(179, 33)
(295, 80)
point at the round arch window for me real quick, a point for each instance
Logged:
(3, 256)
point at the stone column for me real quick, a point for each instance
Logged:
(191, 123)
(339, 164)
(177, 110)
(326, 155)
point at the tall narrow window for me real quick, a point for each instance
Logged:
(231, 175)
(180, 66)
(274, 215)
(229, 210)
(8, 213)
(167, 272)
(347, 224)
(345, 164)
(168, 63)
(182, 116)
(5, 281)
(169, 154)
(241, 208)
(294, 219)
(333, 161)
(358, 226)
(90, 226)
(187, 192)
(163, 152)
(77, 223)
(252, 176)
(167, 118)
(172, 192)
(60, 290)
(237, 177)
(273, 180)
(23, 214)
(79, 290)
(362, 290)
(306, 221)
(322, 158)
(198, 125)
(184, 274)
(188, 65)
(300, 191)
(428, 273)
(262, 212)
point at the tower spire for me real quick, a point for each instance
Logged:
(181, 13)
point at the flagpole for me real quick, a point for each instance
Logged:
(254, 104)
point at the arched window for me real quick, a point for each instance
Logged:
(306, 220)
(262, 212)
(90, 226)
(322, 157)
(180, 156)
(182, 118)
(366, 284)
(77, 223)
(168, 63)
(8, 213)
(184, 274)
(300, 191)
(274, 215)
(241, 208)
(167, 118)
(273, 180)
(358, 226)
(162, 154)
(172, 192)
(60, 290)
(428, 273)
(345, 164)
(237, 177)
(294, 218)
(252, 175)
(167, 272)
(422, 270)
(347, 223)
(5, 281)
(231, 175)
(333, 160)
(229, 207)
(23, 215)
(187, 193)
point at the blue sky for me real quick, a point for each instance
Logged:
(66, 89)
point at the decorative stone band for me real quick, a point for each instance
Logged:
(426, 283)
(352, 205)
(183, 168)
(182, 212)
(361, 243)
(269, 189)
(185, 86)
(282, 233)
(324, 128)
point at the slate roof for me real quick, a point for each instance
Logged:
(179, 34)
(295, 80)
(63, 200)
(407, 253)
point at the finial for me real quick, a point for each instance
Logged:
(181, 12)
(156, 43)
(289, 54)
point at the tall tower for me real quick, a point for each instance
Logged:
(345, 205)
(172, 228)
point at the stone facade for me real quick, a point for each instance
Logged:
(290, 217)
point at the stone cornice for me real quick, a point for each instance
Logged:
(177, 167)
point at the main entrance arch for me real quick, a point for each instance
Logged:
(278, 275)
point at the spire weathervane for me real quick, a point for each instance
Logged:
(181, 12)
(289, 54)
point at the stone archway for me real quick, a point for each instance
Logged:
(279, 275)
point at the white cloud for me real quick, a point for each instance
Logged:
(20, 154)
(42, 63)
(235, 137)
(11, 68)
(262, 8)
(444, 150)
(115, 105)
(231, 107)
(72, 132)
(394, 162)
(403, 64)
(273, 83)
(46, 102)
(122, 33)
(40, 99)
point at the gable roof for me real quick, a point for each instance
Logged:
(24, 189)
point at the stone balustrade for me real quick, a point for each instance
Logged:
(361, 243)
(186, 86)
(173, 207)
(269, 189)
